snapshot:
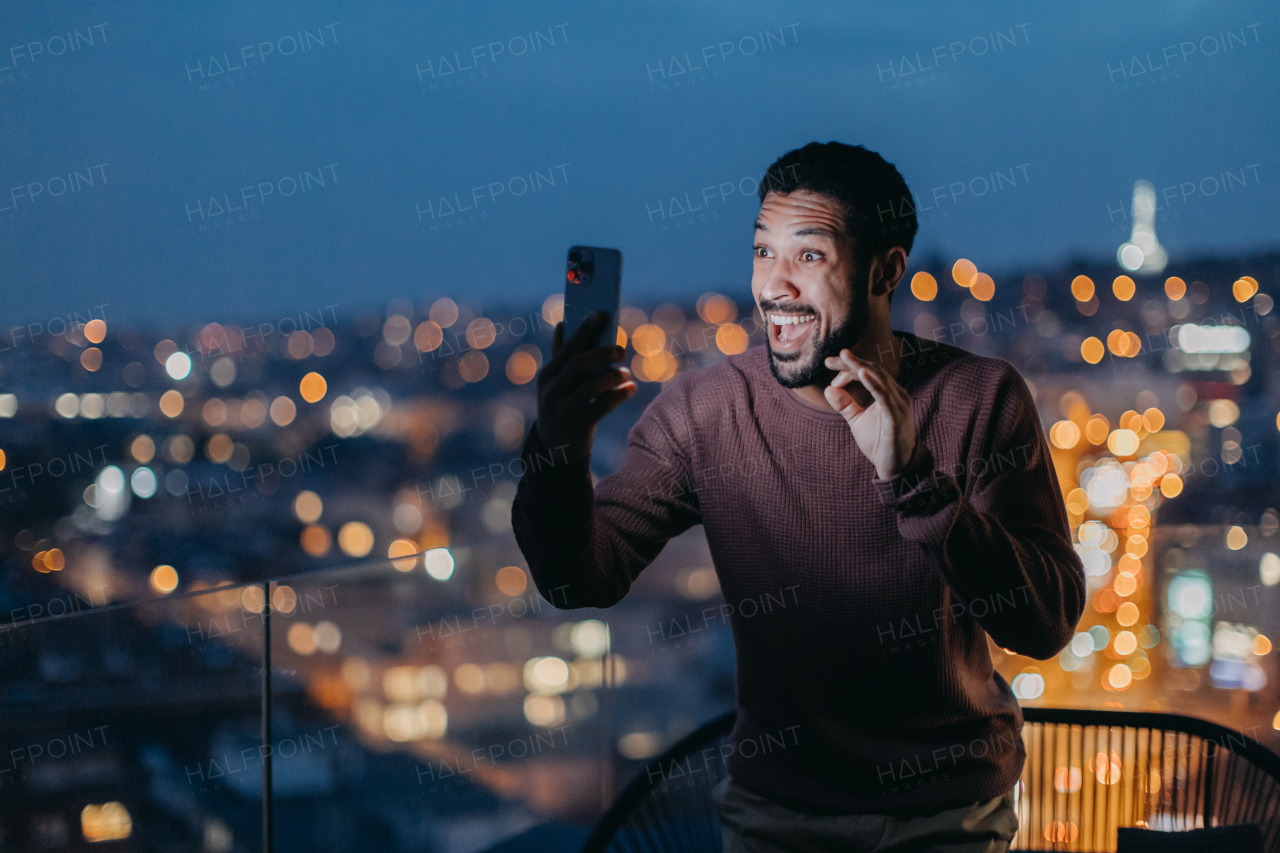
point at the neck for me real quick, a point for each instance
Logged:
(878, 345)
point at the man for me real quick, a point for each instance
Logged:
(895, 493)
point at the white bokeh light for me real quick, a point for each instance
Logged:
(111, 498)
(439, 563)
(143, 482)
(178, 365)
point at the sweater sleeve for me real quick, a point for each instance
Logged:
(585, 546)
(1005, 548)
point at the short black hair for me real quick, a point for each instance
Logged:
(879, 212)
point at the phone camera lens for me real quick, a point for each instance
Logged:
(575, 257)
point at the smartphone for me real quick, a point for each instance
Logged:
(593, 281)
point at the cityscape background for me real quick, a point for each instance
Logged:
(369, 460)
(277, 285)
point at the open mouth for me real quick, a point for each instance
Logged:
(789, 330)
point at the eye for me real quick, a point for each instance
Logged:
(761, 252)
(809, 256)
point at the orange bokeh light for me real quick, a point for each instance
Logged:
(924, 286)
(983, 287)
(1124, 288)
(313, 387)
(1082, 288)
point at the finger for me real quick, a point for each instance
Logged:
(889, 381)
(549, 370)
(610, 400)
(846, 362)
(890, 389)
(875, 384)
(843, 402)
(855, 362)
(576, 375)
(556, 378)
(594, 386)
(843, 378)
(850, 357)
(580, 340)
(597, 384)
(584, 364)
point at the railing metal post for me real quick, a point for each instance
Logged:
(1210, 759)
(267, 794)
(606, 760)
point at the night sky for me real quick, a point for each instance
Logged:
(318, 144)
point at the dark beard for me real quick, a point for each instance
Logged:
(844, 336)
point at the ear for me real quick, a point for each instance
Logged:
(887, 269)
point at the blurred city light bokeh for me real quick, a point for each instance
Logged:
(371, 461)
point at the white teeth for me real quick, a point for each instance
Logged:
(785, 320)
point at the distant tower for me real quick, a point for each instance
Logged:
(1143, 253)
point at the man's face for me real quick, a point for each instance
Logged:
(804, 271)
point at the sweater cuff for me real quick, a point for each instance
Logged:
(919, 489)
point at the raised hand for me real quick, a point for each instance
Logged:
(572, 397)
(878, 411)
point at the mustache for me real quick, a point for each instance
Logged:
(766, 310)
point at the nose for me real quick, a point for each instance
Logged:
(778, 285)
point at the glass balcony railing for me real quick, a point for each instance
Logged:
(121, 724)
(433, 701)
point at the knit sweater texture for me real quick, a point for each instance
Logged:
(860, 607)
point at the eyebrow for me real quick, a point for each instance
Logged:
(811, 231)
(817, 230)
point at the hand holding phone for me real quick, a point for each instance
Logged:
(580, 385)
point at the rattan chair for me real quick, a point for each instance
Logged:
(1087, 774)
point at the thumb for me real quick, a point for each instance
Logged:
(842, 401)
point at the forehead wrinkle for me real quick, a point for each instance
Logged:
(815, 230)
(807, 226)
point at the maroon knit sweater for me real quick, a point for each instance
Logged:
(860, 607)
